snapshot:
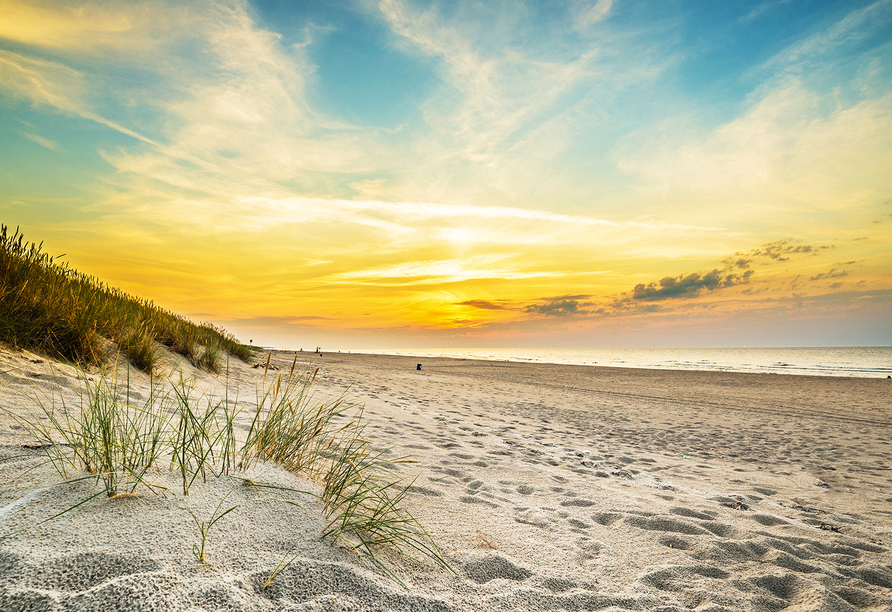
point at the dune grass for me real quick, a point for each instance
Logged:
(48, 307)
(176, 429)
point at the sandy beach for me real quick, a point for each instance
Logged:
(547, 487)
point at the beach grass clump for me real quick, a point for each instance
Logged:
(194, 435)
(48, 307)
(138, 343)
(288, 427)
(202, 437)
(103, 436)
(325, 440)
(363, 502)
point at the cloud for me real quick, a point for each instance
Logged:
(479, 267)
(854, 30)
(833, 273)
(556, 298)
(557, 308)
(812, 137)
(89, 28)
(781, 250)
(485, 305)
(43, 142)
(51, 83)
(738, 262)
(586, 13)
(42, 82)
(687, 285)
(515, 81)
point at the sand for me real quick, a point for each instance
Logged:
(548, 487)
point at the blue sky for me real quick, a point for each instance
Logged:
(371, 173)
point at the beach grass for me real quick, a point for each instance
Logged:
(48, 307)
(177, 429)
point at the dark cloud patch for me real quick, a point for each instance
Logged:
(557, 308)
(485, 305)
(782, 250)
(833, 273)
(738, 262)
(835, 285)
(651, 308)
(687, 285)
(557, 298)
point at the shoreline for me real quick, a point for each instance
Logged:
(879, 369)
(822, 394)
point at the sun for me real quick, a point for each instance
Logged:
(460, 235)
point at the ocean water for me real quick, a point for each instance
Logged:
(870, 362)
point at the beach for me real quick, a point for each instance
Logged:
(546, 487)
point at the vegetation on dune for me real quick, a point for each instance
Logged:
(48, 307)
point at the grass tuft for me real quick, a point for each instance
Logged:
(325, 441)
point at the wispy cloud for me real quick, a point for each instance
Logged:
(825, 45)
(443, 271)
(486, 305)
(52, 145)
(832, 273)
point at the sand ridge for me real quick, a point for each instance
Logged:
(547, 487)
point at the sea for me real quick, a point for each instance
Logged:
(859, 361)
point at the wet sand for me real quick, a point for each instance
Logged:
(548, 487)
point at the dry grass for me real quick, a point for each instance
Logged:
(48, 307)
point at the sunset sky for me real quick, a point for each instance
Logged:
(373, 174)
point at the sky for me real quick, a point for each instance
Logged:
(397, 174)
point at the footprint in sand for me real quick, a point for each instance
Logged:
(606, 518)
(588, 548)
(425, 491)
(469, 499)
(493, 567)
(705, 516)
(577, 503)
(461, 455)
(665, 523)
(526, 516)
(675, 542)
(576, 524)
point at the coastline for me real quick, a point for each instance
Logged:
(848, 362)
(546, 486)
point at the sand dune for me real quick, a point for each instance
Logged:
(547, 488)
